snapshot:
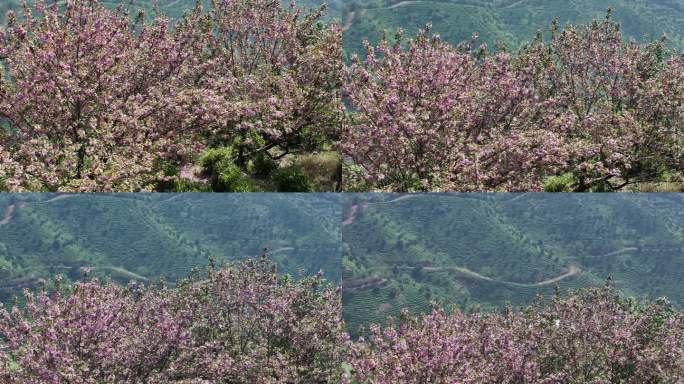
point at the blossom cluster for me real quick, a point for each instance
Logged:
(244, 323)
(427, 115)
(91, 101)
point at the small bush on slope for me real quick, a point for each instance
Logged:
(223, 174)
(292, 179)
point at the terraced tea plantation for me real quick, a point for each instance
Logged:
(144, 236)
(484, 251)
(477, 251)
(512, 22)
(509, 21)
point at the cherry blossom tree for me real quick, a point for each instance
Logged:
(426, 115)
(86, 98)
(242, 323)
(619, 101)
(90, 101)
(269, 79)
(594, 336)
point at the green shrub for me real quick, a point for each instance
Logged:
(292, 179)
(263, 165)
(174, 183)
(223, 174)
(213, 160)
(181, 185)
(323, 169)
(232, 179)
(560, 183)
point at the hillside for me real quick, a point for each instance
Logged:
(514, 21)
(509, 21)
(143, 236)
(488, 250)
(472, 250)
(172, 8)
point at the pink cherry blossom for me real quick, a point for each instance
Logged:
(430, 116)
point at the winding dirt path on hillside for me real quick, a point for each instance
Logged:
(374, 284)
(281, 249)
(402, 197)
(519, 196)
(59, 197)
(124, 272)
(619, 251)
(349, 22)
(354, 208)
(511, 5)
(175, 196)
(459, 269)
(7, 217)
(572, 271)
(351, 216)
(457, 195)
(273, 251)
(411, 2)
(403, 3)
(172, 4)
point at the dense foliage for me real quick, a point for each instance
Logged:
(92, 102)
(243, 95)
(243, 323)
(86, 98)
(431, 116)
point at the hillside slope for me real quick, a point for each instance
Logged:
(509, 21)
(171, 8)
(472, 250)
(143, 236)
(487, 250)
(515, 21)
